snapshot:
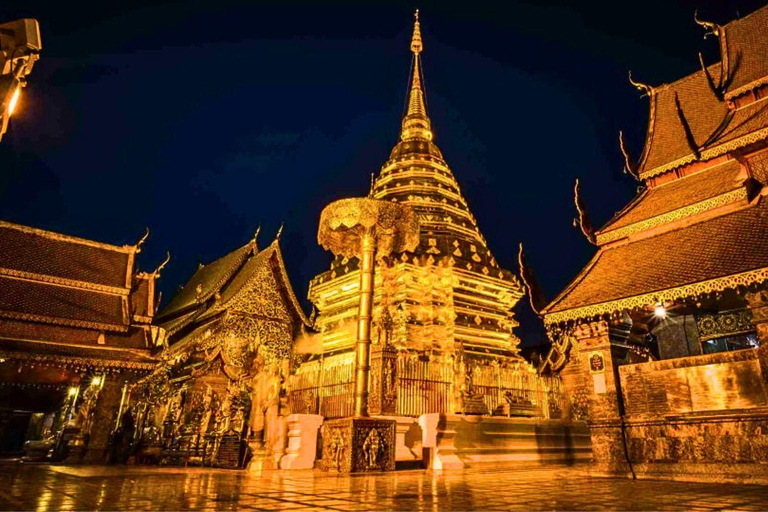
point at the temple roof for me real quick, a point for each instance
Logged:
(206, 281)
(745, 43)
(29, 250)
(213, 288)
(58, 279)
(709, 255)
(716, 125)
(677, 198)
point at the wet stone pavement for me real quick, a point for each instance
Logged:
(41, 487)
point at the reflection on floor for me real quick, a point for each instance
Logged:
(135, 488)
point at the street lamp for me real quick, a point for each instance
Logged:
(19, 50)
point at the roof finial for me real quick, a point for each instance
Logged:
(163, 264)
(629, 167)
(143, 239)
(256, 234)
(416, 45)
(279, 231)
(709, 27)
(370, 191)
(416, 124)
(647, 89)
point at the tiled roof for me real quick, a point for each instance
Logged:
(37, 301)
(227, 276)
(210, 278)
(715, 128)
(77, 354)
(679, 193)
(35, 251)
(140, 295)
(723, 246)
(746, 46)
(703, 111)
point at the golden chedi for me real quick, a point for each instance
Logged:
(449, 296)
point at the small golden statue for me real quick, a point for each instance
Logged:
(371, 448)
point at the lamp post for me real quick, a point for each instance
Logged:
(367, 229)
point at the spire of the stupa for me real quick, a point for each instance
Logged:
(416, 124)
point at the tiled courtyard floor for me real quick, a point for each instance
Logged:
(135, 488)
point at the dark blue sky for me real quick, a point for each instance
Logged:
(203, 120)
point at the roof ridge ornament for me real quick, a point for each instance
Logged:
(156, 273)
(536, 296)
(709, 27)
(629, 167)
(644, 88)
(142, 240)
(583, 221)
(718, 89)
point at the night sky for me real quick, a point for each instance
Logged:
(203, 120)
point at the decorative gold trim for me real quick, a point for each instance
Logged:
(708, 154)
(63, 321)
(680, 213)
(127, 249)
(730, 95)
(288, 286)
(70, 283)
(670, 294)
(59, 360)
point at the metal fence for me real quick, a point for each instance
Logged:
(423, 386)
(326, 387)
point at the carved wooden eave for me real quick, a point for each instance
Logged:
(689, 291)
(62, 361)
(298, 310)
(712, 203)
(710, 153)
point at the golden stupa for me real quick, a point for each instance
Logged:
(448, 295)
(445, 310)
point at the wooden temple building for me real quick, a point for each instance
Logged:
(75, 326)
(662, 340)
(229, 335)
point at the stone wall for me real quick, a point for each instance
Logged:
(701, 418)
(712, 382)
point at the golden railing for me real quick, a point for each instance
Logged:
(424, 386)
(519, 385)
(326, 387)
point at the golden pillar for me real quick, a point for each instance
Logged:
(367, 229)
(364, 316)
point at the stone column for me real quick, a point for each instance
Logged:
(591, 384)
(104, 419)
(382, 398)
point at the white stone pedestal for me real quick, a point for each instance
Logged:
(302, 441)
(440, 442)
(408, 449)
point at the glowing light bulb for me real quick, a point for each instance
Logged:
(660, 311)
(72, 391)
(14, 100)
(96, 381)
